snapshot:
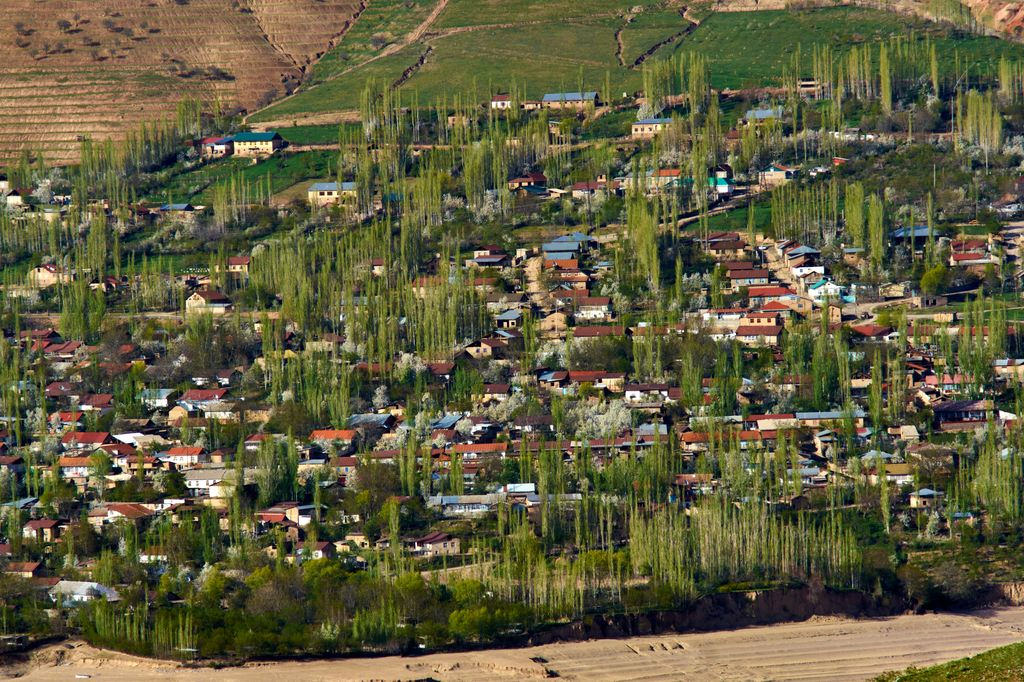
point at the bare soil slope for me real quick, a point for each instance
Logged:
(72, 68)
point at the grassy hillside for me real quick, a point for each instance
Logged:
(1005, 664)
(749, 48)
(473, 48)
(380, 25)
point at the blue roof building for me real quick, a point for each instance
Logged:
(332, 187)
(915, 232)
(269, 136)
(589, 96)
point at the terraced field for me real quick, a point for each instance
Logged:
(74, 68)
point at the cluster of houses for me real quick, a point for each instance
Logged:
(571, 101)
(200, 298)
(721, 185)
(554, 290)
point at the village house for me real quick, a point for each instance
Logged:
(971, 413)
(216, 147)
(729, 249)
(115, 512)
(12, 465)
(487, 348)
(339, 438)
(1008, 367)
(97, 402)
(203, 482)
(16, 198)
(185, 456)
(553, 325)
(196, 399)
(85, 440)
(41, 530)
(238, 266)
(207, 302)
(899, 473)
(776, 174)
(501, 101)
(528, 180)
(45, 276)
(581, 191)
(493, 393)
(327, 193)
(926, 498)
(22, 569)
(257, 144)
(593, 308)
(648, 128)
(739, 279)
(435, 544)
(570, 100)
(80, 592)
(759, 334)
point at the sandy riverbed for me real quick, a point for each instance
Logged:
(817, 649)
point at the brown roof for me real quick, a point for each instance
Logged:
(871, 329)
(85, 437)
(131, 510)
(749, 274)
(758, 330)
(332, 434)
(213, 297)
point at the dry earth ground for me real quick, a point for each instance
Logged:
(97, 68)
(818, 649)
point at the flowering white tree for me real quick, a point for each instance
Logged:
(381, 398)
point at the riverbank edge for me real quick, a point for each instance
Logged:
(715, 612)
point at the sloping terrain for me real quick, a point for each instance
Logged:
(76, 68)
(475, 47)
(73, 68)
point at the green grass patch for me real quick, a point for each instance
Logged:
(487, 12)
(649, 29)
(342, 93)
(612, 124)
(283, 170)
(1005, 664)
(539, 59)
(382, 23)
(315, 134)
(747, 49)
(736, 220)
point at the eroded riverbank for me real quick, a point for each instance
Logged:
(821, 648)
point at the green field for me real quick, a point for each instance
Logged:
(1005, 664)
(195, 186)
(752, 48)
(314, 134)
(649, 29)
(460, 13)
(542, 47)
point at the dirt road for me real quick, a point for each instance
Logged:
(818, 649)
